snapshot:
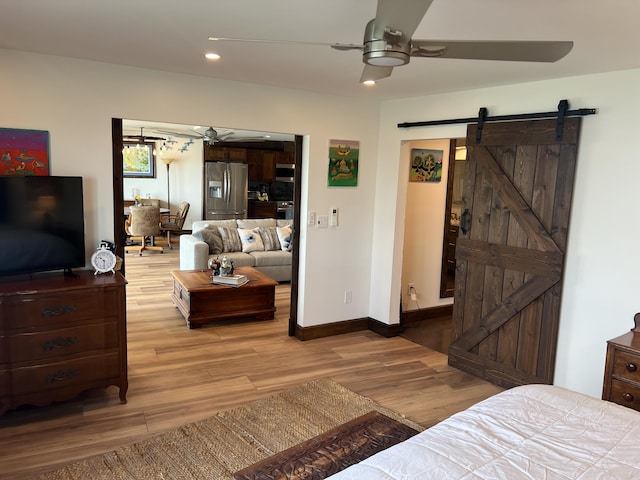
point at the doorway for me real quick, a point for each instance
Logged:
(119, 233)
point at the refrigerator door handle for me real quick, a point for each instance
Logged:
(225, 179)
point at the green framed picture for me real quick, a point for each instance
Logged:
(343, 163)
(426, 165)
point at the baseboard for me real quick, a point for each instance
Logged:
(330, 329)
(416, 316)
(339, 328)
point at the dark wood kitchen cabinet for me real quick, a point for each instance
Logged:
(225, 154)
(60, 336)
(262, 165)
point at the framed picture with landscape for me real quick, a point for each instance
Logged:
(138, 160)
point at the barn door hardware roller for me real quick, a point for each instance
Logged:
(562, 113)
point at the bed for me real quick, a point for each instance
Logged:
(528, 432)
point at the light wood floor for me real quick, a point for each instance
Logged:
(177, 376)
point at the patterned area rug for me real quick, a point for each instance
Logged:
(218, 446)
(331, 452)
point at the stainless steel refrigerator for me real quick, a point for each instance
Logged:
(225, 190)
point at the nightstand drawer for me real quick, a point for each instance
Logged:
(626, 366)
(625, 394)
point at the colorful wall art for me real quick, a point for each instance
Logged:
(426, 165)
(24, 152)
(343, 163)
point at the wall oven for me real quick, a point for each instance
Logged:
(285, 172)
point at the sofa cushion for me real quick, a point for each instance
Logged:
(230, 239)
(240, 259)
(284, 236)
(200, 224)
(269, 238)
(272, 258)
(211, 236)
(256, 222)
(251, 240)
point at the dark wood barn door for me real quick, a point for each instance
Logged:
(518, 188)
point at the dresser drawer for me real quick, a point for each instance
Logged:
(626, 366)
(52, 344)
(66, 374)
(36, 311)
(625, 394)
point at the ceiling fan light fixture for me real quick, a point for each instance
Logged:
(369, 83)
(212, 56)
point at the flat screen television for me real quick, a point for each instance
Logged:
(41, 224)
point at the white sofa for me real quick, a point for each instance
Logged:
(264, 244)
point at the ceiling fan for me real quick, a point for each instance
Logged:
(141, 138)
(387, 42)
(210, 135)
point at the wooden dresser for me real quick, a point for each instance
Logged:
(61, 335)
(622, 369)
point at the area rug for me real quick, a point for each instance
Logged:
(225, 443)
(332, 451)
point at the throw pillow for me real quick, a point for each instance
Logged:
(211, 237)
(269, 237)
(230, 239)
(251, 240)
(284, 235)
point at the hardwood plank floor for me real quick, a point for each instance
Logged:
(177, 376)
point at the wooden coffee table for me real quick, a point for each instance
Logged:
(201, 301)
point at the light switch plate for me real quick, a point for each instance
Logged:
(323, 221)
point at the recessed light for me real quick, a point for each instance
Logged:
(369, 83)
(212, 56)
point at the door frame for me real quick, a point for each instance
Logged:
(119, 235)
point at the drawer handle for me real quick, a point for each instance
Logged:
(58, 310)
(61, 375)
(59, 342)
(627, 397)
(631, 367)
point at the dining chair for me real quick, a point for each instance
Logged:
(145, 223)
(174, 223)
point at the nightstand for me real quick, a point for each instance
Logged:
(622, 369)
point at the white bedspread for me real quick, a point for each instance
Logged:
(536, 432)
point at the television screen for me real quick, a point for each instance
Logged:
(41, 224)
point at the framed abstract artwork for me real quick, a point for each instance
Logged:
(138, 160)
(24, 152)
(343, 163)
(426, 165)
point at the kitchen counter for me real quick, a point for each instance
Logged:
(258, 209)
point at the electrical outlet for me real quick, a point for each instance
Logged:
(347, 296)
(311, 220)
(410, 288)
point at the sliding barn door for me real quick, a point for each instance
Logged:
(510, 257)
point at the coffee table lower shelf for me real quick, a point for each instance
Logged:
(202, 302)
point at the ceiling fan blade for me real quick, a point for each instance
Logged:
(194, 135)
(374, 72)
(337, 46)
(524, 51)
(404, 16)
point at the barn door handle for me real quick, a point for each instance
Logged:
(465, 221)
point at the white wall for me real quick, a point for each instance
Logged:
(185, 180)
(75, 101)
(423, 230)
(602, 262)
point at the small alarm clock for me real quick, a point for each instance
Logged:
(104, 260)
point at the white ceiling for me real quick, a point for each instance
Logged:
(171, 35)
